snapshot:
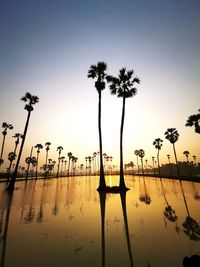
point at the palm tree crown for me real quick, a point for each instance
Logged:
(172, 135)
(194, 120)
(123, 85)
(6, 126)
(31, 99)
(158, 143)
(99, 72)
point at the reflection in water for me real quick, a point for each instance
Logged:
(191, 227)
(144, 196)
(31, 235)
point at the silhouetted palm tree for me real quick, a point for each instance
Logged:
(153, 162)
(141, 154)
(12, 158)
(195, 158)
(98, 72)
(136, 152)
(158, 144)
(5, 126)
(194, 120)
(186, 153)
(172, 135)
(69, 154)
(32, 100)
(59, 149)
(47, 144)
(38, 146)
(168, 156)
(123, 86)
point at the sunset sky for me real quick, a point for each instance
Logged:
(47, 47)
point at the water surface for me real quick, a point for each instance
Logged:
(66, 222)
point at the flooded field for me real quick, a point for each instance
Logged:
(66, 222)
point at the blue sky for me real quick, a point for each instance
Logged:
(47, 48)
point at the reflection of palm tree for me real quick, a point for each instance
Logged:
(32, 100)
(38, 146)
(123, 202)
(123, 86)
(158, 144)
(5, 126)
(144, 197)
(172, 135)
(190, 227)
(194, 120)
(4, 233)
(99, 72)
(169, 212)
(102, 197)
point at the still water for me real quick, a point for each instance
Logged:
(66, 222)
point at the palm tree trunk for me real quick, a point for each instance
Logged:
(178, 171)
(102, 183)
(36, 171)
(14, 175)
(122, 182)
(2, 148)
(158, 163)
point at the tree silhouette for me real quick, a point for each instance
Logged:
(69, 154)
(38, 146)
(11, 157)
(141, 154)
(59, 149)
(98, 72)
(158, 144)
(172, 135)
(194, 120)
(136, 152)
(5, 127)
(123, 86)
(32, 100)
(47, 144)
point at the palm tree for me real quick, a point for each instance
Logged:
(69, 154)
(38, 146)
(194, 120)
(136, 152)
(5, 126)
(186, 153)
(168, 156)
(32, 100)
(47, 144)
(158, 144)
(141, 154)
(195, 158)
(153, 162)
(123, 86)
(98, 72)
(59, 149)
(172, 135)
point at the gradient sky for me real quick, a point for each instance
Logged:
(47, 47)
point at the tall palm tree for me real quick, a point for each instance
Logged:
(158, 144)
(59, 149)
(172, 135)
(186, 153)
(47, 144)
(123, 86)
(98, 72)
(32, 100)
(136, 152)
(38, 146)
(194, 120)
(12, 158)
(153, 162)
(169, 157)
(69, 154)
(141, 154)
(5, 127)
